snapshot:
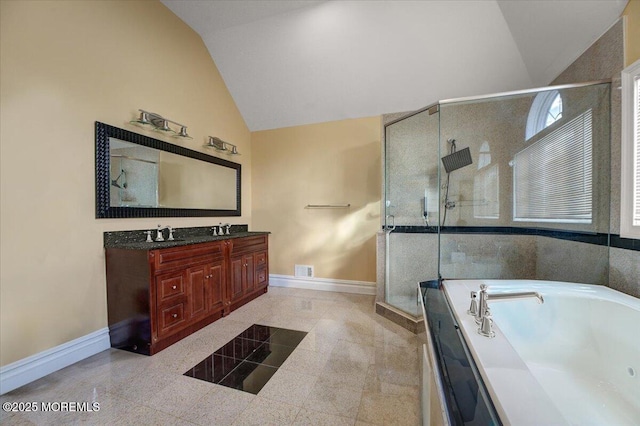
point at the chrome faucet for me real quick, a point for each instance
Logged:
(482, 313)
(160, 237)
(220, 231)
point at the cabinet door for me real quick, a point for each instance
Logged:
(197, 282)
(249, 274)
(237, 270)
(215, 287)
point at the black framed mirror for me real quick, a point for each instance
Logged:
(138, 176)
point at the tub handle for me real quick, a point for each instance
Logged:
(473, 309)
(485, 327)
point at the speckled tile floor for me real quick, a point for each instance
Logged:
(352, 368)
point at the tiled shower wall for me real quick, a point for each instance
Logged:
(605, 60)
(524, 256)
(624, 270)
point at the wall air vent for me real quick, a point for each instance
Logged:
(305, 271)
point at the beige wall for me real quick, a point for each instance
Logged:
(632, 36)
(65, 65)
(328, 163)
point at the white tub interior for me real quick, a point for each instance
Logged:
(573, 360)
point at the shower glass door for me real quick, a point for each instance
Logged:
(411, 207)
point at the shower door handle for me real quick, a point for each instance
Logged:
(388, 228)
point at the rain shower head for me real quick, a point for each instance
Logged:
(457, 160)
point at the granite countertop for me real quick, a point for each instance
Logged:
(135, 240)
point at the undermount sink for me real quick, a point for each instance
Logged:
(170, 241)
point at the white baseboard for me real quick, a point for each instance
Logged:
(34, 367)
(323, 284)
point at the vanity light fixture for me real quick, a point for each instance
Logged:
(159, 123)
(221, 145)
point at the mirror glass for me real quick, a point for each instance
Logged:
(138, 176)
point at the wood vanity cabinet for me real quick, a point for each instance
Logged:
(249, 272)
(157, 297)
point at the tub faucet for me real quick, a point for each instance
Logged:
(483, 314)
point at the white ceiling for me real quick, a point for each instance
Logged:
(297, 62)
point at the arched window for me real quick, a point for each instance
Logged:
(486, 186)
(484, 159)
(545, 110)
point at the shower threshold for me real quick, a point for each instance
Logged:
(413, 323)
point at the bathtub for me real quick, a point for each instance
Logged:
(574, 360)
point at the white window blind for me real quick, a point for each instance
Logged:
(552, 178)
(636, 173)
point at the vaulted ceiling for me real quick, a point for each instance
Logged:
(297, 62)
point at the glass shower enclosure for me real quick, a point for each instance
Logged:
(506, 186)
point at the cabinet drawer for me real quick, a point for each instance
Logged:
(249, 244)
(170, 318)
(176, 257)
(261, 276)
(261, 259)
(168, 286)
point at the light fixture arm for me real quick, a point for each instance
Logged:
(160, 123)
(220, 145)
(153, 116)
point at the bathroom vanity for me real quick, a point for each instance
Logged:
(160, 292)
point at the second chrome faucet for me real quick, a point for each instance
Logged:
(217, 230)
(160, 237)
